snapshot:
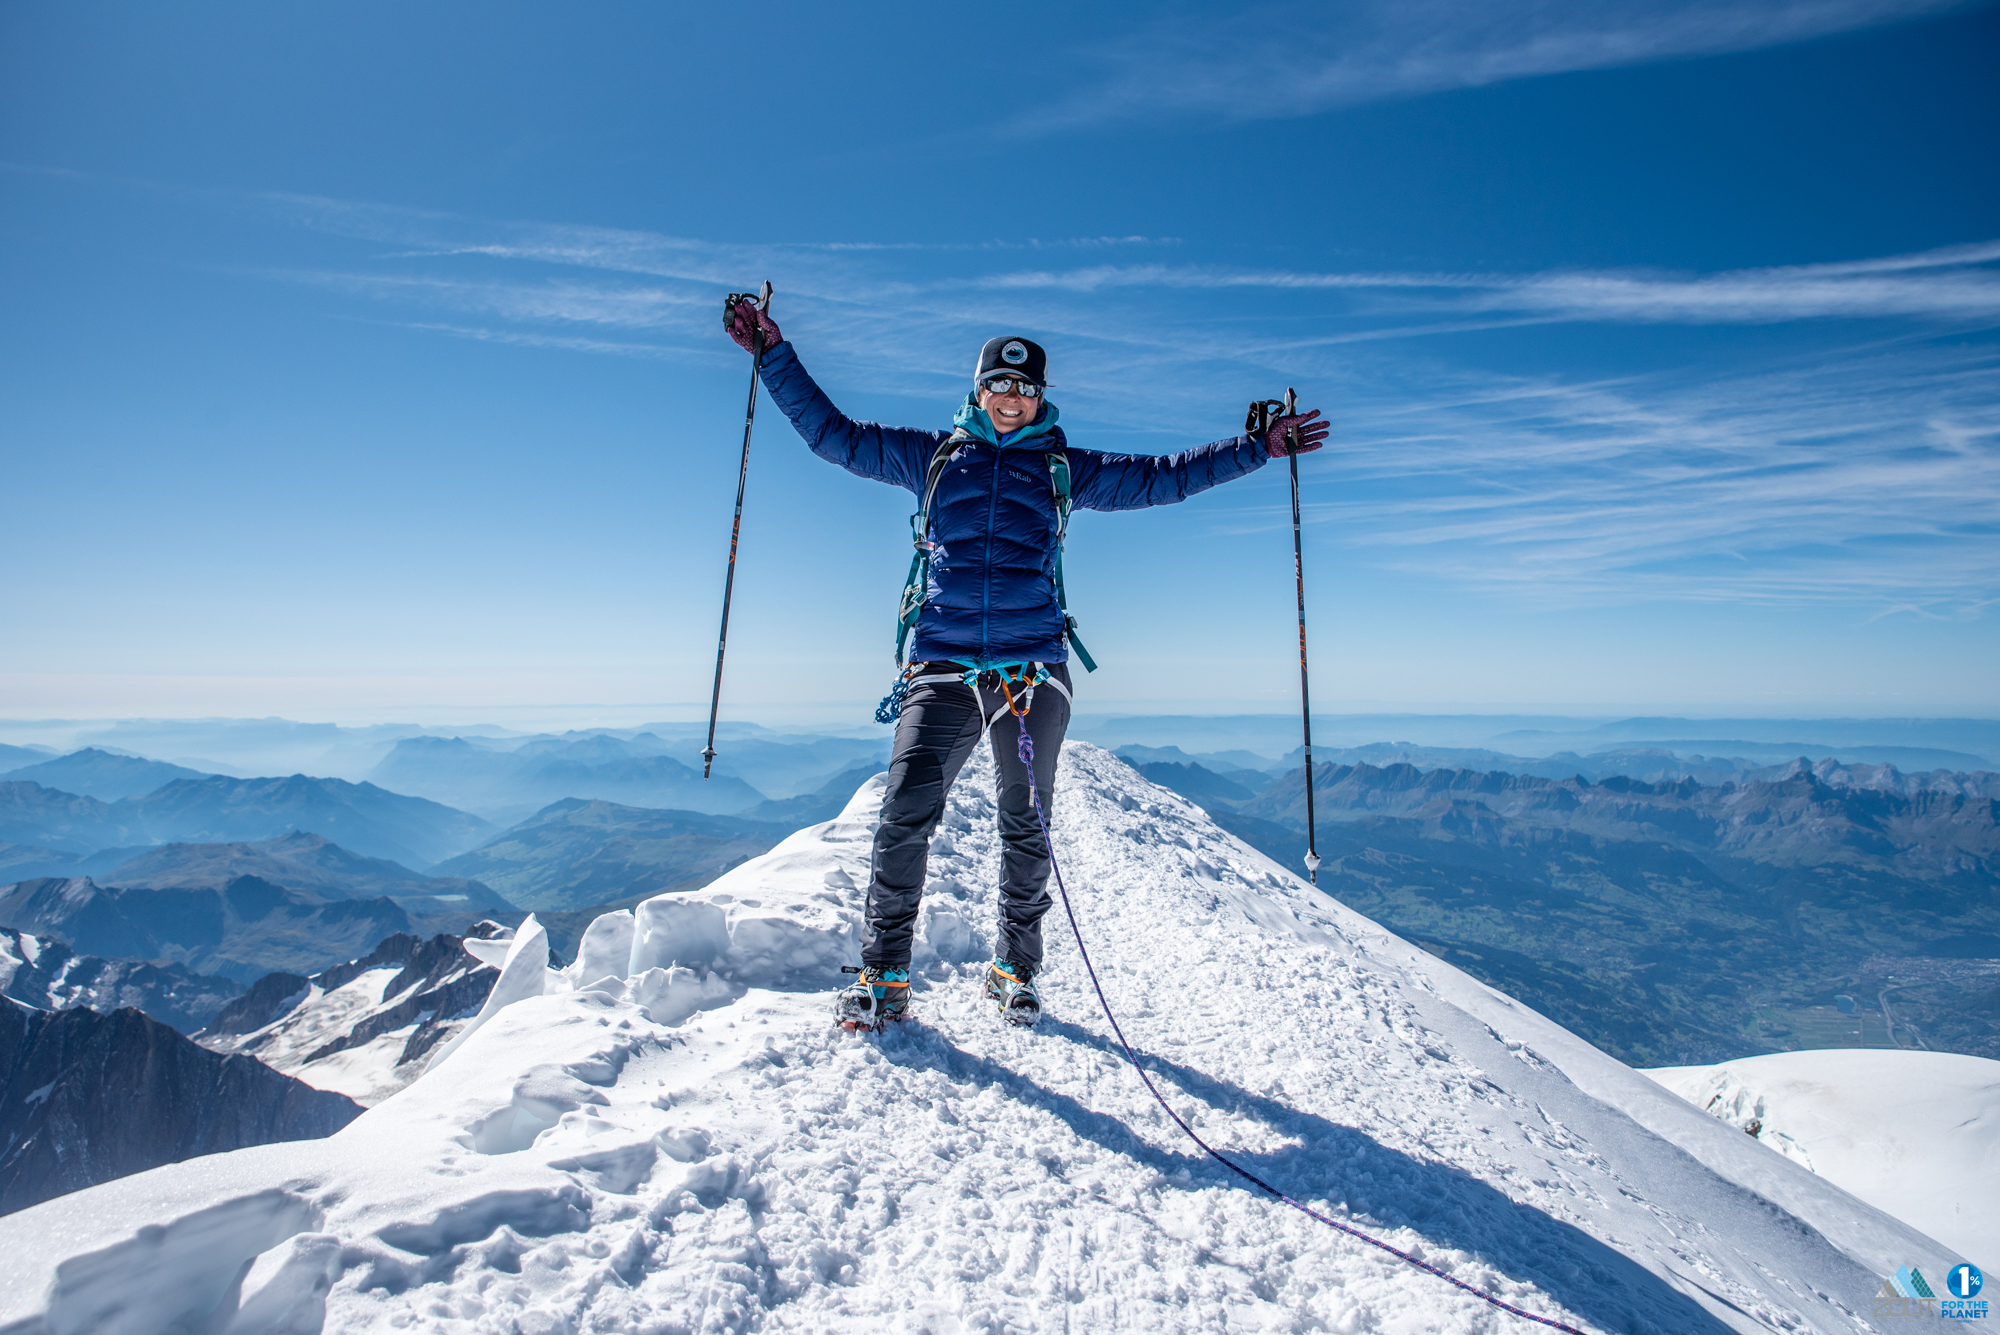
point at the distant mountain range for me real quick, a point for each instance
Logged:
(243, 930)
(67, 824)
(782, 765)
(364, 818)
(93, 1097)
(306, 862)
(577, 862)
(13, 757)
(1799, 818)
(1670, 923)
(44, 973)
(1197, 782)
(812, 808)
(776, 762)
(248, 745)
(574, 854)
(509, 785)
(23, 860)
(1724, 762)
(102, 775)
(1849, 740)
(1839, 737)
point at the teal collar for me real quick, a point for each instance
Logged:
(972, 419)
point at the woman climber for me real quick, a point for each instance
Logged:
(987, 626)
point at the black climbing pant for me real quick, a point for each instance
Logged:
(940, 725)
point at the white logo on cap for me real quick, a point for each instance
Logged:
(1014, 353)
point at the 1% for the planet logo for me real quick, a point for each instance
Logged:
(1962, 1301)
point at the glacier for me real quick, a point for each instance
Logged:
(1915, 1133)
(669, 1135)
(368, 1027)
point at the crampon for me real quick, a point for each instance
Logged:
(877, 998)
(1013, 986)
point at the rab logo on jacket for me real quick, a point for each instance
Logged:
(1014, 353)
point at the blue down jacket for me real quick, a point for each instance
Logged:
(991, 596)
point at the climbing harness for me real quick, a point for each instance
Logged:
(1025, 749)
(911, 605)
(1025, 676)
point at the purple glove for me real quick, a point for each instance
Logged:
(1311, 435)
(742, 318)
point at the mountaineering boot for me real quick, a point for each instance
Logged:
(1013, 986)
(873, 1000)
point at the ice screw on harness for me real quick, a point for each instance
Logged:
(1025, 749)
(1258, 423)
(763, 301)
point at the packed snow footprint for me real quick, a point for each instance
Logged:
(671, 1136)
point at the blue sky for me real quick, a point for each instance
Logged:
(363, 361)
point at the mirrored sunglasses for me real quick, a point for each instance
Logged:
(1007, 384)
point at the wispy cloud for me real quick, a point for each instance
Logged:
(1954, 282)
(516, 338)
(1293, 59)
(1873, 475)
(1869, 471)
(557, 301)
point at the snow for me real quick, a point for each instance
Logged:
(522, 960)
(17, 949)
(367, 1072)
(693, 1146)
(1915, 1134)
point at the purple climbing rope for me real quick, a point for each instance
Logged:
(1026, 751)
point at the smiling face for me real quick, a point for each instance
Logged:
(1010, 412)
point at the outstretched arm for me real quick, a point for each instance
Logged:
(1134, 481)
(896, 455)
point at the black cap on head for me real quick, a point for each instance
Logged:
(1019, 355)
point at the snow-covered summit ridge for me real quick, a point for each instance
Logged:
(684, 1142)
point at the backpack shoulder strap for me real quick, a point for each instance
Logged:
(912, 604)
(940, 460)
(1059, 487)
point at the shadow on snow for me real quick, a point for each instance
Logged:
(1383, 1188)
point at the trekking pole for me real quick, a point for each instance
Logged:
(1305, 692)
(763, 302)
